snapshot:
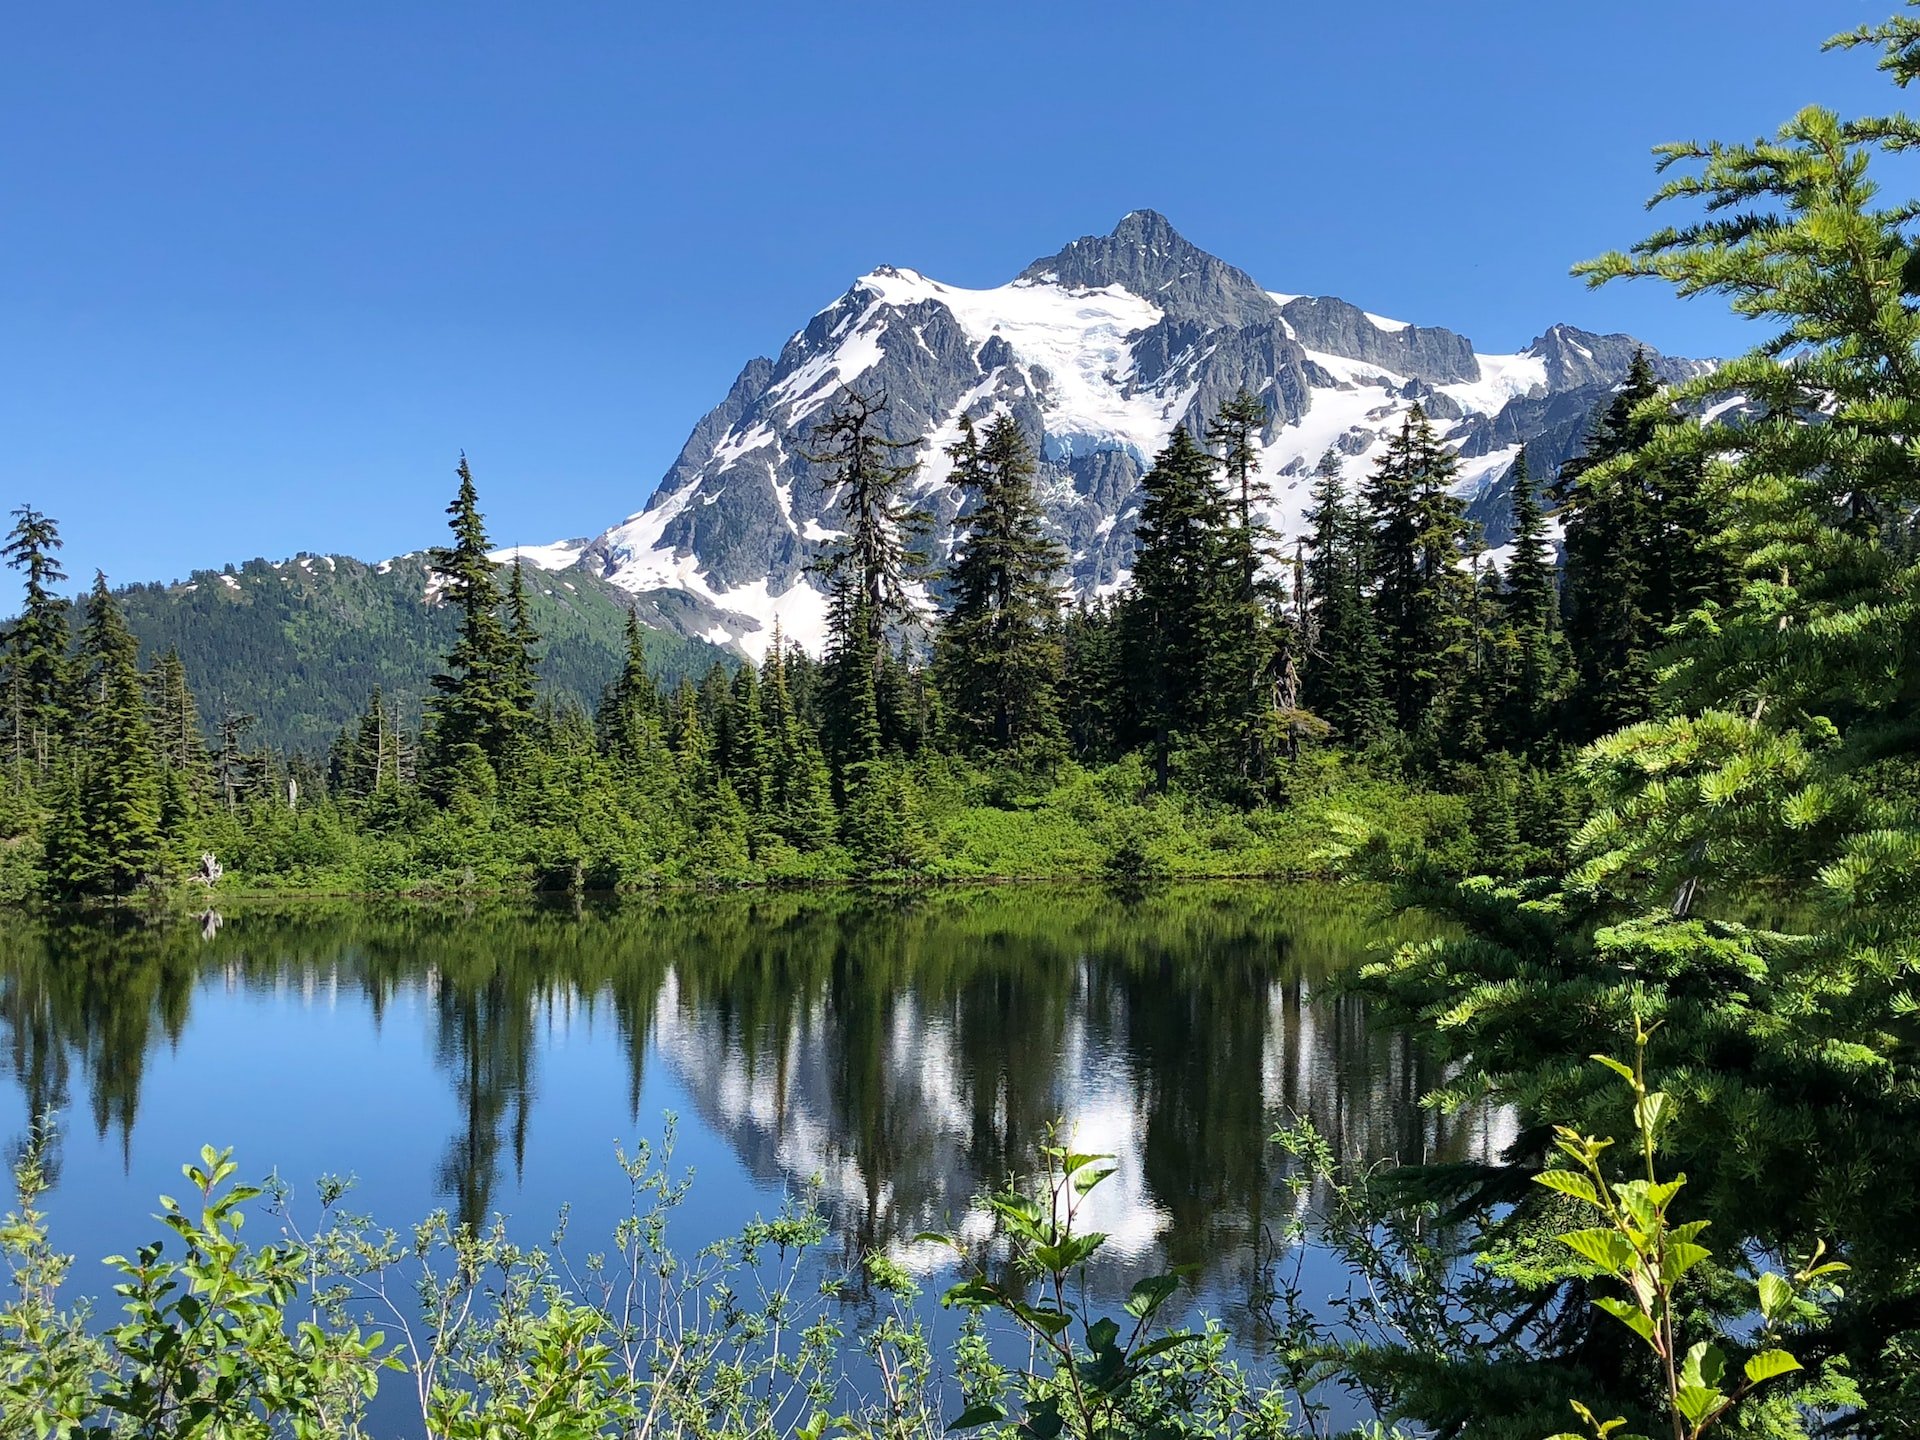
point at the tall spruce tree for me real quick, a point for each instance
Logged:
(998, 658)
(1421, 592)
(799, 782)
(1256, 646)
(1610, 631)
(1344, 679)
(1182, 583)
(868, 570)
(105, 840)
(1533, 665)
(520, 675)
(629, 717)
(475, 714)
(180, 745)
(38, 642)
(1641, 554)
(1094, 687)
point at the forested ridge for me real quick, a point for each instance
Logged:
(1665, 794)
(300, 644)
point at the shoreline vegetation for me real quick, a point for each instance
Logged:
(1584, 773)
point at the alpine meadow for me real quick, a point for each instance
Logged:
(1182, 860)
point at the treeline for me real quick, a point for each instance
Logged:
(1231, 673)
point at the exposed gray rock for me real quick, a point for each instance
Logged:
(1338, 328)
(743, 506)
(1146, 255)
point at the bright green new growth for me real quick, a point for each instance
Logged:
(1106, 1376)
(1639, 1246)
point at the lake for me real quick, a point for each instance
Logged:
(902, 1052)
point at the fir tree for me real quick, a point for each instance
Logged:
(37, 644)
(999, 653)
(1420, 592)
(107, 840)
(629, 716)
(1609, 629)
(520, 673)
(1256, 660)
(1093, 687)
(179, 744)
(1779, 767)
(369, 755)
(1180, 580)
(1344, 680)
(1533, 662)
(475, 714)
(748, 755)
(869, 569)
(238, 771)
(800, 785)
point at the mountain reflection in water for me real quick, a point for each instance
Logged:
(905, 1051)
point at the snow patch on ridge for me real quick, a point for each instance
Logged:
(562, 555)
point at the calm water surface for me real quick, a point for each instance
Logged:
(905, 1052)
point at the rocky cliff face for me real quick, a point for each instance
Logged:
(1098, 351)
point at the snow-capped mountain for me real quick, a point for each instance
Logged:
(1099, 351)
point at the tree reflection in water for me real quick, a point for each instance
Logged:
(908, 1050)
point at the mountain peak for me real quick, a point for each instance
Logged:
(1149, 229)
(1096, 352)
(1146, 255)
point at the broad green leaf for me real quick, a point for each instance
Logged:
(1703, 1366)
(1697, 1402)
(1680, 1258)
(1085, 1180)
(1770, 1363)
(1604, 1248)
(1776, 1294)
(1628, 1315)
(974, 1416)
(1150, 1294)
(1652, 1111)
(1624, 1071)
(1161, 1344)
(1569, 1183)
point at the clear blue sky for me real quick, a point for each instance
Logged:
(266, 269)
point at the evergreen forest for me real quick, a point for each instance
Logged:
(1652, 772)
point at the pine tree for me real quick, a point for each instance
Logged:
(1093, 687)
(37, 644)
(175, 717)
(106, 841)
(1344, 681)
(1420, 592)
(998, 659)
(180, 746)
(748, 756)
(801, 799)
(629, 718)
(475, 713)
(238, 771)
(1610, 632)
(1534, 662)
(1255, 657)
(369, 755)
(1180, 580)
(520, 674)
(868, 570)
